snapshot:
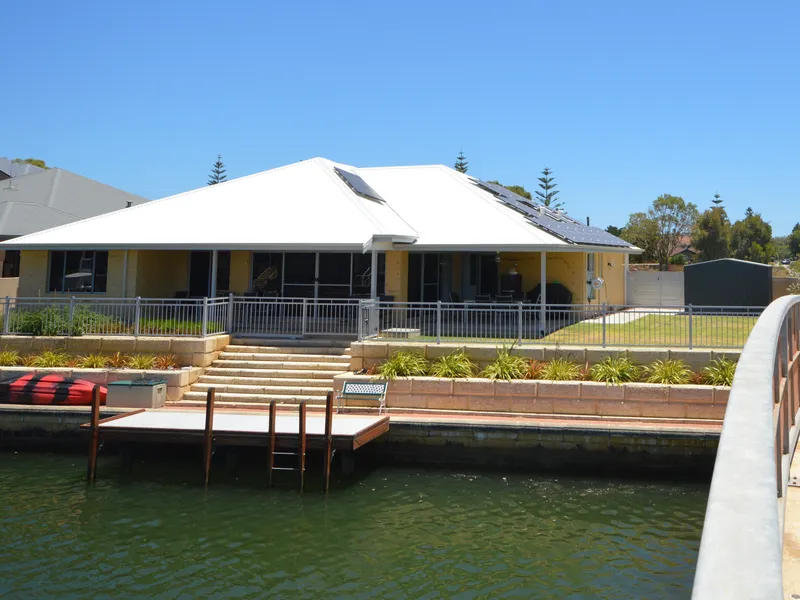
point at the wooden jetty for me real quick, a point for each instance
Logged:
(283, 434)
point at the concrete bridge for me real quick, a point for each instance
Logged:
(750, 546)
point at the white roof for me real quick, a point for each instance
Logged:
(307, 206)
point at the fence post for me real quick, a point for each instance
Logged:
(438, 321)
(519, 323)
(71, 315)
(230, 314)
(303, 323)
(691, 333)
(7, 316)
(604, 311)
(361, 313)
(137, 315)
(205, 316)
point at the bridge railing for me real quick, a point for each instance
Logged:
(741, 551)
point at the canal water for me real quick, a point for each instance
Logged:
(155, 532)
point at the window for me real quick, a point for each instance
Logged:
(11, 264)
(78, 271)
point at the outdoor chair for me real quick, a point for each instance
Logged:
(505, 298)
(363, 390)
(483, 298)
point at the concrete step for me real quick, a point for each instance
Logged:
(269, 390)
(258, 356)
(289, 343)
(324, 350)
(336, 367)
(268, 373)
(258, 398)
(303, 382)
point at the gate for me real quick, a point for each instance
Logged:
(655, 288)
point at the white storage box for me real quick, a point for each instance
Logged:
(141, 393)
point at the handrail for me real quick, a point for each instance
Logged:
(741, 552)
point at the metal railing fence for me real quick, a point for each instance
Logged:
(522, 323)
(576, 324)
(115, 316)
(741, 547)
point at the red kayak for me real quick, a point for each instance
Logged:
(48, 388)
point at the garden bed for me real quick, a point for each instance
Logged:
(647, 400)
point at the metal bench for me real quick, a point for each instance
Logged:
(363, 390)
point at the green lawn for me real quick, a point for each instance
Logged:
(662, 330)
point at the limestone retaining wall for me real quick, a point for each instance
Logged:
(189, 352)
(552, 397)
(178, 381)
(368, 354)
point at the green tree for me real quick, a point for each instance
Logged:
(36, 162)
(794, 241)
(517, 189)
(217, 172)
(781, 246)
(658, 231)
(751, 238)
(717, 201)
(712, 234)
(462, 164)
(548, 192)
(614, 230)
(642, 231)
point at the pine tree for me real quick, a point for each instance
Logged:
(548, 193)
(462, 164)
(717, 201)
(217, 172)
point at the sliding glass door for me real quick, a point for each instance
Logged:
(315, 274)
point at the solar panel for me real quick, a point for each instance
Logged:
(553, 221)
(358, 185)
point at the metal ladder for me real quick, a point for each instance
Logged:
(300, 455)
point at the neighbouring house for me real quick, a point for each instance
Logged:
(322, 230)
(34, 199)
(685, 249)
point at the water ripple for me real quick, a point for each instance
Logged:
(395, 534)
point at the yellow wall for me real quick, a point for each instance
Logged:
(611, 267)
(567, 268)
(397, 275)
(159, 274)
(33, 273)
(240, 271)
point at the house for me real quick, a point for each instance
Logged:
(685, 249)
(34, 199)
(318, 229)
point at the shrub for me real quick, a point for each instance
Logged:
(561, 369)
(535, 368)
(118, 361)
(164, 362)
(615, 370)
(93, 361)
(453, 366)
(28, 361)
(9, 358)
(55, 320)
(697, 379)
(669, 372)
(404, 364)
(142, 362)
(720, 371)
(51, 358)
(506, 366)
(73, 361)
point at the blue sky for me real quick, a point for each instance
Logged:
(622, 100)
